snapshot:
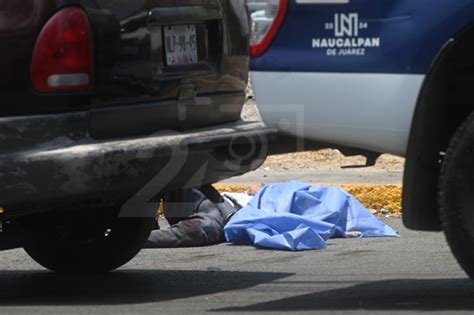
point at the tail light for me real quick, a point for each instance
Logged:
(63, 56)
(267, 17)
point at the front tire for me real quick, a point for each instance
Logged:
(86, 243)
(456, 195)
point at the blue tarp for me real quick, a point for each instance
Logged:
(296, 216)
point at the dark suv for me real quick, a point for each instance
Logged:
(107, 104)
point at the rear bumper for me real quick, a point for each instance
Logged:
(52, 163)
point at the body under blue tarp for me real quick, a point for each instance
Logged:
(296, 216)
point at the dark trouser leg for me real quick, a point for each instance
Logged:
(204, 227)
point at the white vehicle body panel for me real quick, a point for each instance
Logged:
(370, 111)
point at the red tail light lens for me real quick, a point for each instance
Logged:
(267, 17)
(63, 56)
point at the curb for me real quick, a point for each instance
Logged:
(379, 198)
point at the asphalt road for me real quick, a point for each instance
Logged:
(414, 273)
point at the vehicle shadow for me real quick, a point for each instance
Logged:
(121, 287)
(408, 294)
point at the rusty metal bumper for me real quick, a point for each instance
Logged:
(49, 162)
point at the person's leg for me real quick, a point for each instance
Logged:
(181, 204)
(204, 227)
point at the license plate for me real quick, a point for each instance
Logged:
(180, 45)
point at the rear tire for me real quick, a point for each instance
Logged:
(456, 195)
(86, 244)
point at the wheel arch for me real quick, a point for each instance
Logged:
(445, 101)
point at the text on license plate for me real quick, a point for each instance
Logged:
(180, 45)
